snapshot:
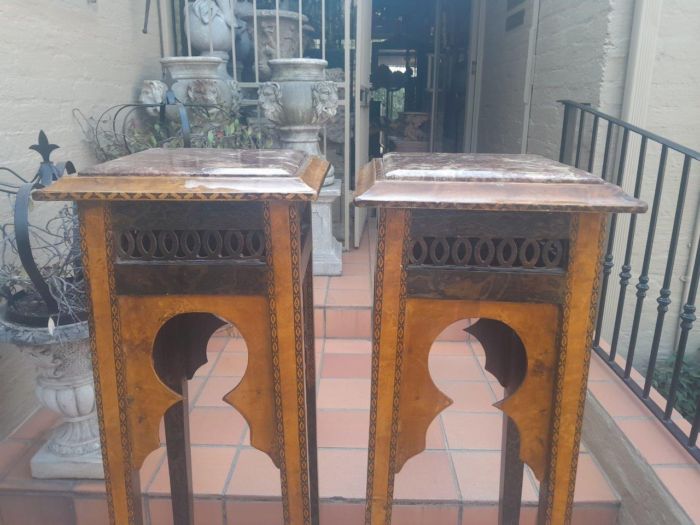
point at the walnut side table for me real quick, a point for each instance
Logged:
(176, 243)
(516, 241)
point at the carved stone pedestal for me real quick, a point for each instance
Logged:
(328, 252)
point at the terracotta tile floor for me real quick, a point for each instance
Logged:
(460, 465)
(455, 481)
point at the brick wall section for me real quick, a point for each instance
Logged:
(581, 54)
(674, 112)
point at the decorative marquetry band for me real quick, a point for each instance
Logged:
(486, 252)
(187, 245)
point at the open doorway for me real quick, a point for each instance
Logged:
(423, 60)
(415, 83)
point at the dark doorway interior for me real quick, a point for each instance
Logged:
(419, 75)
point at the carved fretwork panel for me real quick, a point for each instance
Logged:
(190, 245)
(529, 406)
(489, 253)
(489, 241)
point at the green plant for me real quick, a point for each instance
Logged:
(688, 384)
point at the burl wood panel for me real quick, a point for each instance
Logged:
(150, 397)
(528, 406)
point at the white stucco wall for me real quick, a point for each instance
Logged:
(58, 55)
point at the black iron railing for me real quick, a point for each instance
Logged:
(658, 171)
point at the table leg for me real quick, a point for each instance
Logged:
(177, 438)
(283, 234)
(310, 357)
(506, 359)
(121, 478)
(512, 469)
(387, 347)
(579, 313)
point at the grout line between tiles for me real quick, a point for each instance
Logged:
(232, 468)
(453, 471)
(155, 471)
(206, 378)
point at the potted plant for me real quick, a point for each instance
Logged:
(162, 120)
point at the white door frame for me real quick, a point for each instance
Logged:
(530, 73)
(477, 23)
(347, 191)
(434, 72)
(361, 93)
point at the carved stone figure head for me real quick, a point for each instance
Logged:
(325, 101)
(269, 97)
(204, 91)
(152, 92)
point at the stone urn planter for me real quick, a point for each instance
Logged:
(64, 384)
(267, 37)
(299, 101)
(201, 80)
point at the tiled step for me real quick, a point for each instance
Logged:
(343, 304)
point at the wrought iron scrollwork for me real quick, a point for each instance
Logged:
(486, 252)
(47, 173)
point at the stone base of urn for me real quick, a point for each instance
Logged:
(328, 252)
(64, 385)
(47, 465)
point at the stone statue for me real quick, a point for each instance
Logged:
(325, 101)
(204, 91)
(216, 19)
